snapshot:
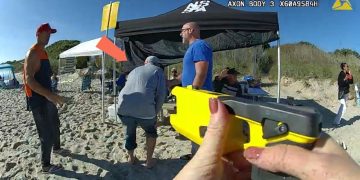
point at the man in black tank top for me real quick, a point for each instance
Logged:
(42, 101)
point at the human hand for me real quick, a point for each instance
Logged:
(327, 160)
(348, 75)
(56, 99)
(208, 162)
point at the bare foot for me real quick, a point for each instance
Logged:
(150, 163)
(133, 160)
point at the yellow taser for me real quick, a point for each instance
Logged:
(256, 124)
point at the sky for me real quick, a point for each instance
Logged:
(81, 20)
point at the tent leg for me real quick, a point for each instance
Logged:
(103, 74)
(114, 84)
(59, 73)
(102, 86)
(279, 69)
(168, 72)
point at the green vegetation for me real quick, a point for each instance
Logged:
(18, 65)
(53, 51)
(58, 47)
(301, 60)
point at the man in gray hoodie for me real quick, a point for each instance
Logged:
(139, 102)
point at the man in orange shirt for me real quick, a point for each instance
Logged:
(42, 101)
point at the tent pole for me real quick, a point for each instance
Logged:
(279, 69)
(102, 85)
(168, 72)
(254, 65)
(114, 83)
(103, 70)
(59, 73)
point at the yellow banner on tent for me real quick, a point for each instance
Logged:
(110, 11)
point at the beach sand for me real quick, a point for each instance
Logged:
(97, 147)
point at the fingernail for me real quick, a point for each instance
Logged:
(213, 105)
(253, 153)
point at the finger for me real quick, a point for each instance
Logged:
(238, 160)
(230, 172)
(216, 132)
(291, 160)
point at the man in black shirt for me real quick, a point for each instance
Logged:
(344, 80)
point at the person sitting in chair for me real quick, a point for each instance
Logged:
(54, 82)
(227, 83)
(2, 83)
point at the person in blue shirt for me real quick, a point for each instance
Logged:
(197, 65)
(120, 82)
(197, 62)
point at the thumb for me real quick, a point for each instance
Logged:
(217, 129)
(291, 160)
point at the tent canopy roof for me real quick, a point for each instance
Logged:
(87, 48)
(222, 27)
(7, 72)
(6, 66)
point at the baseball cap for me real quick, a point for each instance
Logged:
(45, 28)
(232, 71)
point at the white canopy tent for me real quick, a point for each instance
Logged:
(68, 57)
(87, 48)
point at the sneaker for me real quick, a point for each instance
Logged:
(51, 168)
(343, 145)
(62, 152)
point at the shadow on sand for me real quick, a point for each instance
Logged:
(164, 169)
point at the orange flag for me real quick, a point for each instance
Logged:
(111, 49)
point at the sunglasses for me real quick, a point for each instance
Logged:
(182, 30)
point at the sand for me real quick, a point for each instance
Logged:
(97, 147)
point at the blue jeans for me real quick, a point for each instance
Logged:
(47, 124)
(148, 125)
